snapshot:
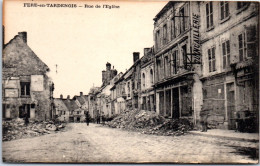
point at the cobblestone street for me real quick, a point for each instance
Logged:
(96, 143)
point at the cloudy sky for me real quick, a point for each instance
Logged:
(82, 40)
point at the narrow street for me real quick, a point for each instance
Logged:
(97, 143)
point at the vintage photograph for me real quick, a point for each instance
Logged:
(130, 82)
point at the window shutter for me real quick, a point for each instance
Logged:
(251, 40)
(240, 47)
(209, 59)
(228, 52)
(222, 10)
(186, 13)
(169, 31)
(177, 24)
(226, 9)
(213, 59)
(224, 55)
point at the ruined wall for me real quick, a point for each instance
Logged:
(20, 63)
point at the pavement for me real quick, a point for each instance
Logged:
(229, 134)
(100, 144)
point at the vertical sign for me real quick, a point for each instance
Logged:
(195, 39)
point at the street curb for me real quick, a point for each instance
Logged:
(225, 137)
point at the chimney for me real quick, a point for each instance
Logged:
(68, 97)
(146, 50)
(81, 93)
(61, 96)
(23, 35)
(108, 66)
(103, 76)
(136, 56)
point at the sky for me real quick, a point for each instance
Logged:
(80, 41)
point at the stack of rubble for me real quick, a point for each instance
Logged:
(16, 129)
(150, 123)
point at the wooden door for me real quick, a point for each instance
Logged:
(230, 92)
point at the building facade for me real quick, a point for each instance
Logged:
(177, 60)
(27, 89)
(229, 46)
(62, 111)
(147, 80)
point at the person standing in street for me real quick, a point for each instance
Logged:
(87, 118)
(26, 119)
(204, 119)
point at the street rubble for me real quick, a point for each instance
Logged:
(148, 122)
(16, 129)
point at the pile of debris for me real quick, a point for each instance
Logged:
(16, 129)
(150, 123)
(171, 127)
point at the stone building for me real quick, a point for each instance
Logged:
(75, 112)
(62, 110)
(82, 103)
(132, 82)
(108, 74)
(230, 54)
(27, 89)
(177, 60)
(147, 80)
(118, 95)
(92, 101)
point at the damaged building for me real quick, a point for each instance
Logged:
(177, 60)
(205, 57)
(147, 80)
(27, 89)
(230, 61)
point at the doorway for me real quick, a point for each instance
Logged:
(175, 103)
(230, 93)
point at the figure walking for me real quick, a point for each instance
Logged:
(87, 118)
(26, 119)
(204, 119)
(98, 118)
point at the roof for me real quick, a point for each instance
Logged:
(80, 99)
(70, 104)
(164, 9)
(58, 103)
(19, 59)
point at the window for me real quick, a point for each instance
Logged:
(158, 39)
(128, 88)
(158, 67)
(151, 76)
(165, 34)
(241, 5)
(24, 111)
(209, 14)
(247, 43)
(143, 80)
(25, 88)
(166, 69)
(224, 10)
(172, 28)
(175, 59)
(226, 54)
(212, 60)
(183, 19)
(184, 55)
(241, 46)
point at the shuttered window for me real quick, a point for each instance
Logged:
(209, 14)
(25, 88)
(211, 59)
(226, 54)
(224, 10)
